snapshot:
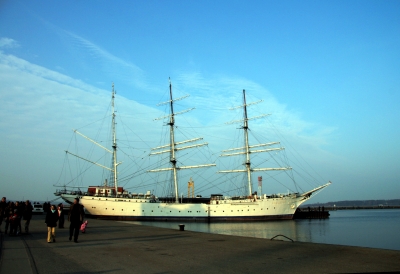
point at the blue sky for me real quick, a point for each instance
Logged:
(328, 71)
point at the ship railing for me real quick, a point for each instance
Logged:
(63, 191)
(239, 198)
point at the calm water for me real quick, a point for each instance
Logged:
(378, 228)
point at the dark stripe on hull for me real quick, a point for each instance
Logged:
(194, 219)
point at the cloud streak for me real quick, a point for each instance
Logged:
(114, 67)
(8, 43)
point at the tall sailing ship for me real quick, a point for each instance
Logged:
(114, 202)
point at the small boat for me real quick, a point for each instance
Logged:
(111, 201)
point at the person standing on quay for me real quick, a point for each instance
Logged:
(27, 215)
(17, 221)
(51, 221)
(9, 208)
(60, 211)
(75, 217)
(3, 205)
(13, 221)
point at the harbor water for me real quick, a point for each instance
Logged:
(374, 228)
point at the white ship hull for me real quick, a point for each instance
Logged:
(277, 208)
(68, 196)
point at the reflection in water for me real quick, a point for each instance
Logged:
(314, 231)
(267, 230)
(368, 228)
(254, 229)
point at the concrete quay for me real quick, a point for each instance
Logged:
(117, 247)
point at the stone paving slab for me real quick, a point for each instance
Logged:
(118, 247)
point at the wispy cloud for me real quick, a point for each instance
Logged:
(114, 67)
(110, 62)
(215, 96)
(40, 108)
(97, 58)
(8, 43)
(23, 66)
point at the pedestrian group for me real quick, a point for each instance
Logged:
(12, 214)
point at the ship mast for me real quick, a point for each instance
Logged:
(172, 142)
(172, 147)
(246, 150)
(114, 146)
(246, 143)
(113, 169)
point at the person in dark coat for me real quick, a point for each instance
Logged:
(75, 217)
(51, 221)
(7, 212)
(3, 205)
(60, 211)
(45, 207)
(27, 215)
(13, 220)
(19, 211)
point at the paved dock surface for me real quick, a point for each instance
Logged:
(117, 247)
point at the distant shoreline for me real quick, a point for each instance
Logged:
(358, 204)
(333, 208)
